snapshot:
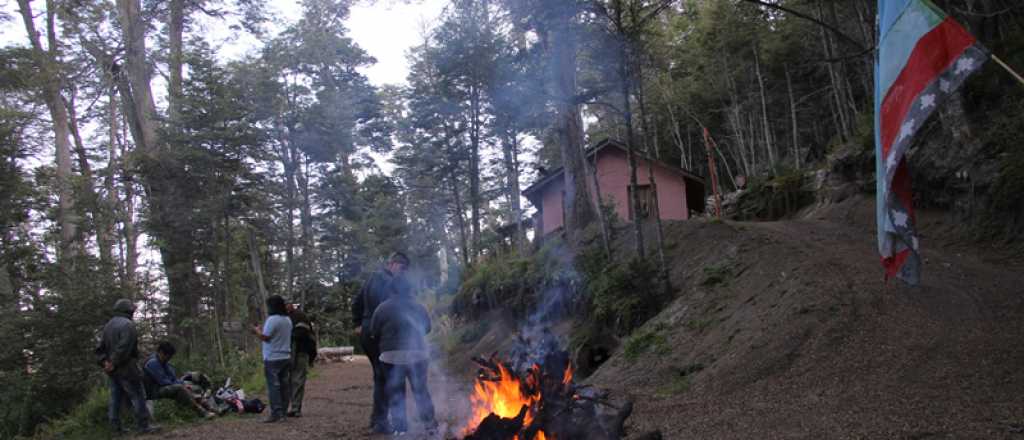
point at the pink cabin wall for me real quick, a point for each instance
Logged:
(551, 205)
(613, 174)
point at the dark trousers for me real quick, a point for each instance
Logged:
(379, 416)
(278, 374)
(416, 374)
(300, 369)
(127, 387)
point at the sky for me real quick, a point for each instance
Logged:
(386, 29)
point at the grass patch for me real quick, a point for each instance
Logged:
(717, 274)
(698, 325)
(681, 380)
(646, 341)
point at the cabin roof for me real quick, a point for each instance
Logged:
(536, 187)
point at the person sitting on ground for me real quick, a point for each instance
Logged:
(399, 326)
(163, 383)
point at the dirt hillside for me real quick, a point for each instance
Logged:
(786, 330)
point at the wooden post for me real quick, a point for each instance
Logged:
(714, 173)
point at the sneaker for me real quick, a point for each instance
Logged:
(380, 428)
(209, 415)
(151, 429)
(295, 414)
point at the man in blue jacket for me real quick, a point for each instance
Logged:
(163, 383)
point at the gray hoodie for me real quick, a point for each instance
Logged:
(400, 323)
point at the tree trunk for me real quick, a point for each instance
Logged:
(165, 200)
(175, 28)
(308, 249)
(605, 227)
(52, 82)
(474, 169)
(764, 112)
(257, 268)
(792, 112)
(577, 203)
(625, 86)
(460, 220)
(100, 214)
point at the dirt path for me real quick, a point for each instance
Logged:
(337, 406)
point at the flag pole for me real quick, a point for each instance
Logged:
(1008, 69)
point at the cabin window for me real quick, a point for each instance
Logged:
(645, 197)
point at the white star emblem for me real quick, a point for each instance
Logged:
(899, 218)
(906, 129)
(927, 101)
(964, 65)
(944, 85)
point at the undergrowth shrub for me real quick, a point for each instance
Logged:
(516, 283)
(623, 295)
(88, 420)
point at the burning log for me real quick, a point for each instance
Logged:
(495, 427)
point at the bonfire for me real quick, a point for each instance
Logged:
(541, 401)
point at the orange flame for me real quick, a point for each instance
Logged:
(506, 395)
(503, 397)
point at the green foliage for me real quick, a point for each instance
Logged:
(653, 340)
(773, 198)
(623, 295)
(89, 418)
(681, 380)
(716, 274)
(513, 282)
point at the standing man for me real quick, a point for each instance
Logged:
(400, 325)
(376, 290)
(303, 355)
(277, 356)
(118, 354)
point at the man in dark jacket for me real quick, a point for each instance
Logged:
(162, 382)
(303, 356)
(118, 354)
(399, 326)
(376, 290)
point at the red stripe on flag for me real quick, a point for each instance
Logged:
(900, 187)
(932, 55)
(893, 264)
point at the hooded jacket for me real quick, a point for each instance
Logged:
(376, 290)
(119, 341)
(400, 323)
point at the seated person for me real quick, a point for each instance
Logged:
(162, 383)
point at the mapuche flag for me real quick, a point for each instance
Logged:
(923, 57)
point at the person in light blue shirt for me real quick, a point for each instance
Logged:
(277, 352)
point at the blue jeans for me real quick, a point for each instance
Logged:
(416, 374)
(127, 387)
(278, 374)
